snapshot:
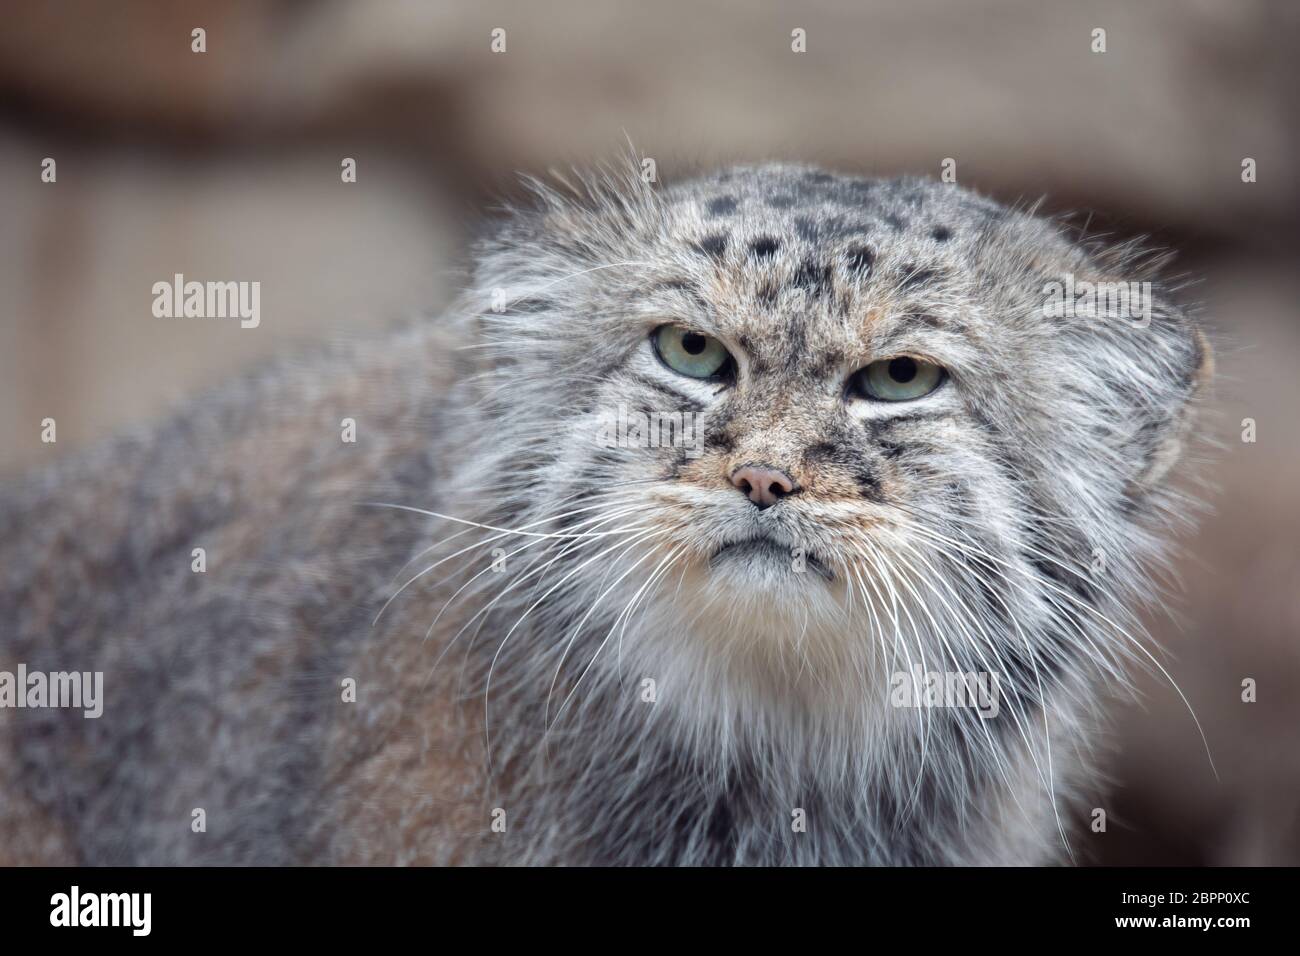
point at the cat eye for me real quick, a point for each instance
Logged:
(690, 353)
(897, 380)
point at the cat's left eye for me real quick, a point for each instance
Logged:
(898, 379)
(690, 353)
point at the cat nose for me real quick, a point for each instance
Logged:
(765, 486)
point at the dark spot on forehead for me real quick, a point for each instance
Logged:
(860, 259)
(844, 227)
(826, 363)
(915, 277)
(941, 233)
(814, 277)
(682, 287)
(926, 319)
(764, 247)
(818, 229)
(812, 229)
(712, 246)
(722, 206)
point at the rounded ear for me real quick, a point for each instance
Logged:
(1167, 435)
(1138, 358)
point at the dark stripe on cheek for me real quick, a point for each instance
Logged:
(850, 460)
(684, 403)
(878, 427)
(716, 434)
(719, 441)
(1061, 570)
(869, 485)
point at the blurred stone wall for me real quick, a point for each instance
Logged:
(225, 165)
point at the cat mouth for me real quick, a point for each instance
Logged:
(768, 551)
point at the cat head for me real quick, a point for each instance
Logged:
(798, 423)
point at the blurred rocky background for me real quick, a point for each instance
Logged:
(226, 165)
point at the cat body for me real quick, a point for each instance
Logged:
(503, 626)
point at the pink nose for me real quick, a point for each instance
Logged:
(764, 486)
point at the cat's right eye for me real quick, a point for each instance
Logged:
(690, 353)
(900, 379)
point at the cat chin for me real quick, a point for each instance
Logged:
(759, 605)
(762, 656)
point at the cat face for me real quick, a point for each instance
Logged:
(837, 420)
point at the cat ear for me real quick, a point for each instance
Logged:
(1172, 415)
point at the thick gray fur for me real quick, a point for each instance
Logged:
(619, 698)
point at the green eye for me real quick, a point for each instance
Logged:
(898, 379)
(690, 353)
